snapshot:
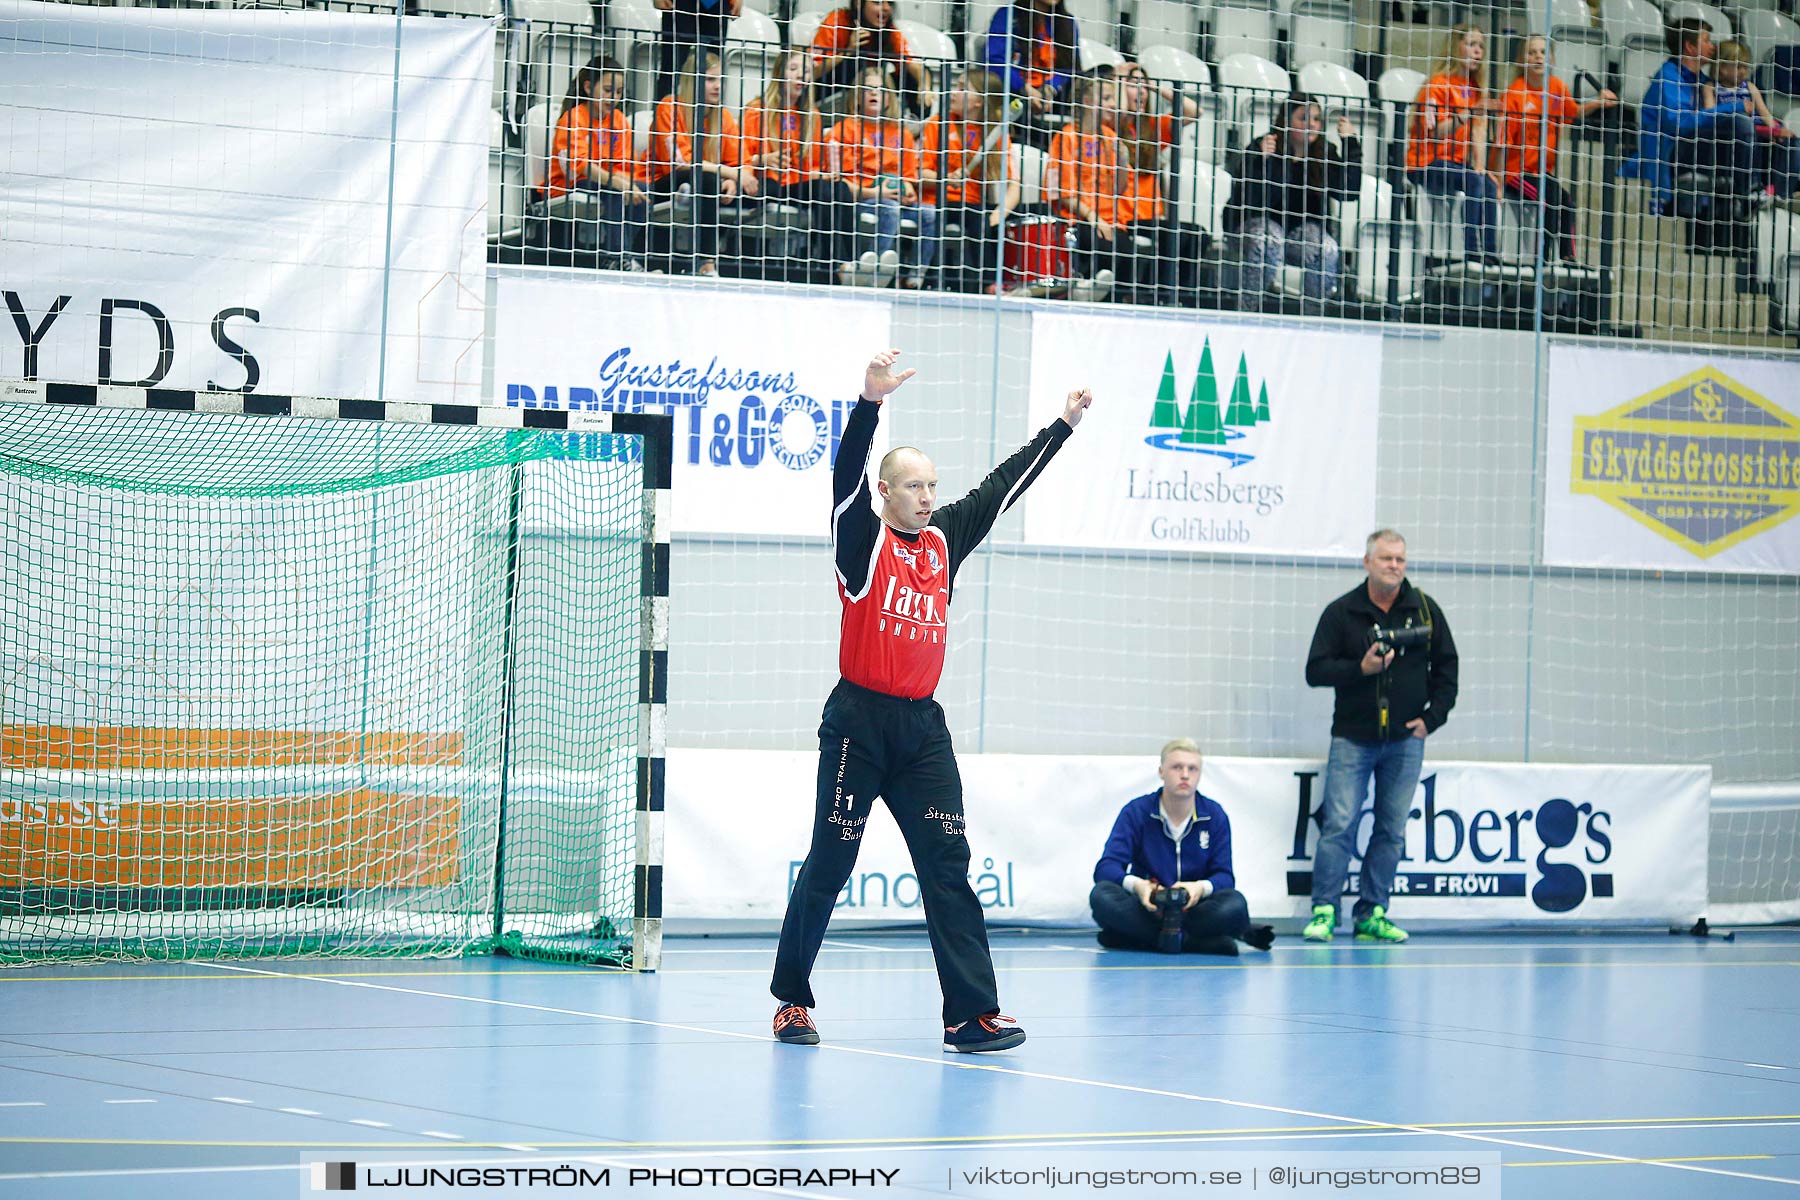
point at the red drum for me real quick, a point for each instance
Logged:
(1037, 252)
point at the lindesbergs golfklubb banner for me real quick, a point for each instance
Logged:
(759, 387)
(283, 203)
(1213, 437)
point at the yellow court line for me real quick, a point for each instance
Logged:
(1628, 1162)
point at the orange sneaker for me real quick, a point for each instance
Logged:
(794, 1026)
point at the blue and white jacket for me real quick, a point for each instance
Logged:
(1143, 845)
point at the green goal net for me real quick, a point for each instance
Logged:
(272, 685)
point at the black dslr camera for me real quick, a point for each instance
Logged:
(1170, 903)
(1399, 640)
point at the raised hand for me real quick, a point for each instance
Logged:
(1077, 404)
(881, 378)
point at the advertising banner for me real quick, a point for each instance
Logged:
(1672, 461)
(1485, 842)
(1223, 438)
(281, 203)
(759, 389)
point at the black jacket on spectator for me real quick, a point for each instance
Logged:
(1289, 189)
(1421, 681)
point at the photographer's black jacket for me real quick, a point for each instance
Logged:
(1421, 682)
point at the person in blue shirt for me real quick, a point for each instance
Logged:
(1035, 46)
(1676, 130)
(1172, 837)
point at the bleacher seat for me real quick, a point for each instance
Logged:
(927, 43)
(1577, 51)
(1762, 31)
(1624, 20)
(1382, 252)
(1399, 85)
(557, 52)
(1028, 164)
(1168, 23)
(804, 27)
(1778, 265)
(1243, 27)
(633, 25)
(1201, 192)
(817, 6)
(1096, 54)
(1716, 20)
(1251, 90)
(751, 48)
(1563, 14)
(1322, 31)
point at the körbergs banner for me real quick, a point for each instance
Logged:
(1485, 842)
(1215, 437)
(1683, 461)
(759, 386)
(251, 201)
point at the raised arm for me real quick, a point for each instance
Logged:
(854, 525)
(966, 522)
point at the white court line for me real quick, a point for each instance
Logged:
(438, 1133)
(233, 1100)
(954, 1062)
(369, 1123)
(300, 1112)
(1765, 1066)
(143, 1101)
(21, 1104)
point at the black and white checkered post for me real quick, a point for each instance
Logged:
(658, 479)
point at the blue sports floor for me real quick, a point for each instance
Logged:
(1627, 1066)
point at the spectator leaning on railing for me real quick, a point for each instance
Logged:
(1678, 133)
(1035, 46)
(1086, 177)
(1731, 91)
(1144, 136)
(784, 143)
(694, 140)
(591, 149)
(1446, 152)
(969, 147)
(1281, 194)
(1533, 110)
(877, 157)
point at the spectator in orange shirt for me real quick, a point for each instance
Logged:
(1161, 250)
(1533, 108)
(591, 151)
(967, 149)
(705, 161)
(1035, 46)
(860, 35)
(1086, 179)
(1447, 151)
(878, 159)
(784, 143)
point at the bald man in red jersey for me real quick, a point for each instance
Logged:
(882, 734)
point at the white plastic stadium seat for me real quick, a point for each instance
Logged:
(1243, 27)
(1098, 54)
(1563, 14)
(927, 42)
(1166, 64)
(1578, 50)
(1251, 90)
(1624, 20)
(1174, 24)
(1716, 20)
(1322, 31)
(1400, 85)
(567, 12)
(804, 27)
(1329, 82)
(1762, 31)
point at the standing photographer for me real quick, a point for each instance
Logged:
(1164, 880)
(1386, 648)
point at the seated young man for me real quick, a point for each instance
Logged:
(1172, 840)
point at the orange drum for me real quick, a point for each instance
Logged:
(1037, 252)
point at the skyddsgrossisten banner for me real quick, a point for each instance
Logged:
(1485, 842)
(1212, 437)
(759, 388)
(1672, 461)
(244, 201)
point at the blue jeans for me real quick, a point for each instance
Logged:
(1268, 246)
(888, 214)
(1480, 201)
(1395, 767)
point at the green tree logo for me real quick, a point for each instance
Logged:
(1199, 428)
